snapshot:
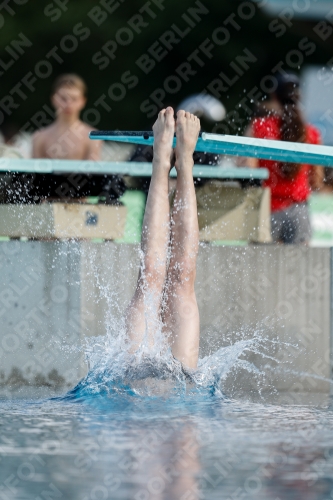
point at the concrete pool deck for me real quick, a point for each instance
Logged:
(55, 294)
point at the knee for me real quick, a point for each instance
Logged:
(183, 274)
(153, 275)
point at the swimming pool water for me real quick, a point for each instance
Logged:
(151, 432)
(154, 449)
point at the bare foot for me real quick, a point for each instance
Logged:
(187, 132)
(164, 130)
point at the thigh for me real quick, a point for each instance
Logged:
(142, 316)
(181, 324)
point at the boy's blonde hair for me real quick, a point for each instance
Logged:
(69, 80)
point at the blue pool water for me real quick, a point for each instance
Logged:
(139, 428)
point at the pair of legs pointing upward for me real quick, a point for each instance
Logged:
(165, 286)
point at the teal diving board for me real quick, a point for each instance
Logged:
(134, 169)
(294, 152)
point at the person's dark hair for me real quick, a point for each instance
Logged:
(292, 122)
(287, 93)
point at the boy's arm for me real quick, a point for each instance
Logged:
(37, 145)
(94, 150)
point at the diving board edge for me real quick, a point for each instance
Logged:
(236, 146)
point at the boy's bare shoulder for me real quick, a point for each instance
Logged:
(86, 128)
(84, 131)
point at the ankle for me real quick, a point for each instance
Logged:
(184, 161)
(161, 167)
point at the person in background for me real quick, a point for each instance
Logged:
(68, 137)
(290, 183)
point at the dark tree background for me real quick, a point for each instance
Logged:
(74, 34)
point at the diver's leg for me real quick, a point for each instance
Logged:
(142, 314)
(181, 315)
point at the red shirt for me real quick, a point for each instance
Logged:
(284, 192)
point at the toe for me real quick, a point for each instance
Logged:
(180, 114)
(169, 116)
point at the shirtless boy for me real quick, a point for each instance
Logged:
(168, 281)
(68, 137)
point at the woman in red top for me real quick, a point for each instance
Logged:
(290, 183)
